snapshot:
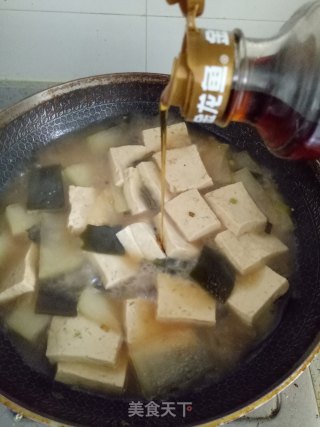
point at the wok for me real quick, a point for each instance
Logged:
(44, 118)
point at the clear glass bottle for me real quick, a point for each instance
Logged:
(272, 84)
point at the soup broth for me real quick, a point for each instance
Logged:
(101, 292)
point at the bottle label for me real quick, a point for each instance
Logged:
(210, 59)
(217, 37)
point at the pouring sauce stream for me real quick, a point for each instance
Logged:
(163, 126)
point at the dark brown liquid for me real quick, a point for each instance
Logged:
(286, 133)
(163, 127)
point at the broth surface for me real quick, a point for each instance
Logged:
(152, 348)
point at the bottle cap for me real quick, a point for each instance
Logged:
(188, 6)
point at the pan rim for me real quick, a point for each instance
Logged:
(12, 112)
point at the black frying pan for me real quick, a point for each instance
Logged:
(41, 120)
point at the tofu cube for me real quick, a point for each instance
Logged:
(139, 240)
(115, 270)
(182, 300)
(119, 201)
(19, 219)
(184, 169)
(94, 377)
(25, 322)
(80, 174)
(140, 321)
(254, 293)
(98, 307)
(215, 156)
(258, 194)
(150, 178)
(177, 136)
(192, 215)
(235, 209)
(81, 201)
(103, 212)
(133, 192)
(174, 243)
(23, 279)
(121, 158)
(79, 340)
(250, 250)
(274, 208)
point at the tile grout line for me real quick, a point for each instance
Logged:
(137, 15)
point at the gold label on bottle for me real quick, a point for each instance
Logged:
(201, 78)
(210, 63)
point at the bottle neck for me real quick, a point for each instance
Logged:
(255, 73)
(275, 87)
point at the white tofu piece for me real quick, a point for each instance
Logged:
(254, 293)
(235, 209)
(132, 190)
(80, 174)
(177, 136)
(98, 307)
(94, 377)
(81, 201)
(131, 246)
(19, 219)
(274, 208)
(77, 339)
(103, 212)
(141, 322)
(115, 270)
(215, 157)
(151, 180)
(250, 250)
(258, 194)
(121, 158)
(101, 141)
(119, 200)
(184, 169)
(24, 321)
(182, 300)
(139, 240)
(174, 243)
(192, 215)
(23, 279)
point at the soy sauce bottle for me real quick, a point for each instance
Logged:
(272, 84)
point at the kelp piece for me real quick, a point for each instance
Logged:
(214, 272)
(45, 188)
(59, 295)
(102, 239)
